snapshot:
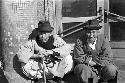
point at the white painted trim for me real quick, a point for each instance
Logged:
(76, 19)
(100, 3)
(106, 7)
(121, 19)
(108, 23)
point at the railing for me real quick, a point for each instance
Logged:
(78, 27)
(81, 26)
(119, 17)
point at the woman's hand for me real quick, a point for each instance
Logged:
(53, 70)
(45, 53)
(50, 65)
(49, 51)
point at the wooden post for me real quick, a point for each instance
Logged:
(58, 16)
(100, 5)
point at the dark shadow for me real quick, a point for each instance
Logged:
(1, 55)
(70, 78)
(41, 81)
(33, 34)
(115, 80)
(3, 79)
(17, 67)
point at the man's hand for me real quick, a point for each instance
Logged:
(92, 63)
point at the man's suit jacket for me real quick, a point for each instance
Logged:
(101, 55)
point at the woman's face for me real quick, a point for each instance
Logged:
(91, 35)
(44, 36)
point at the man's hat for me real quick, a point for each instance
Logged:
(44, 26)
(93, 25)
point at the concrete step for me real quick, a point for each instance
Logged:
(120, 63)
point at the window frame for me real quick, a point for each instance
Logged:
(114, 44)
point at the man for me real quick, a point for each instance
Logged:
(92, 56)
(47, 49)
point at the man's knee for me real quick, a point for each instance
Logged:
(80, 67)
(109, 72)
(83, 72)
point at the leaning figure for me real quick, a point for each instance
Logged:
(45, 53)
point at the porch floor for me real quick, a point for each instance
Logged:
(72, 79)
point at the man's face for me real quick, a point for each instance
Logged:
(91, 35)
(44, 36)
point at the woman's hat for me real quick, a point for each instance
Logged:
(44, 26)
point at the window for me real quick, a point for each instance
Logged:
(117, 28)
(75, 12)
(117, 31)
(79, 8)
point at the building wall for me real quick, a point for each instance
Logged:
(118, 47)
(18, 19)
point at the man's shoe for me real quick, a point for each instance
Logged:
(101, 81)
(58, 80)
